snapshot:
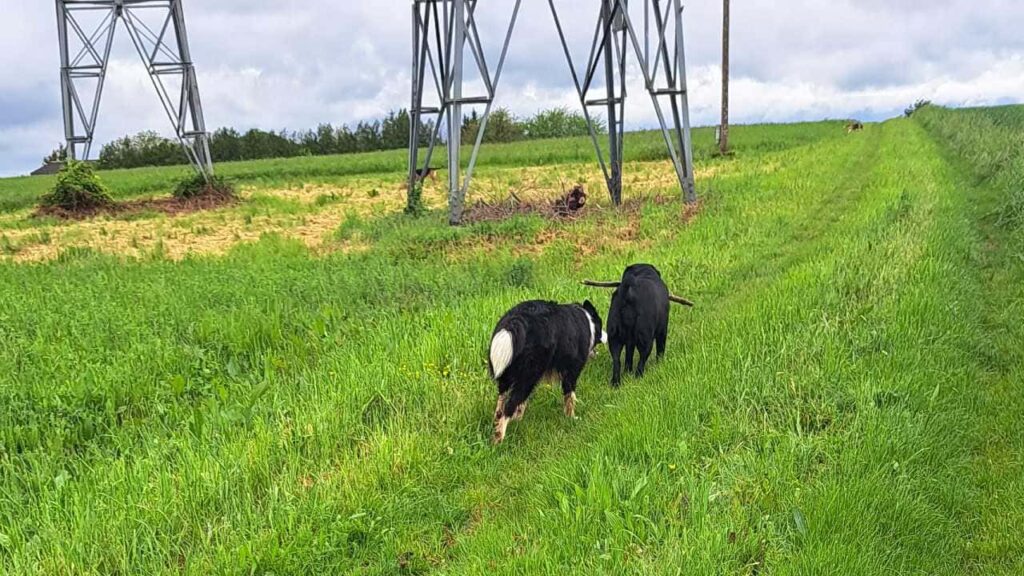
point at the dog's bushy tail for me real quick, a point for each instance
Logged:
(502, 351)
(503, 346)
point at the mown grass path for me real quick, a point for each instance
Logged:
(841, 401)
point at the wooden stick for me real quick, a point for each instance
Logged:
(671, 297)
(601, 284)
(680, 300)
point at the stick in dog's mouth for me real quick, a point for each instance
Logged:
(671, 297)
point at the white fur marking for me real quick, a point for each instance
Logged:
(590, 322)
(501, 352)
(604, 337)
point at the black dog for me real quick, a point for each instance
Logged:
(535, 339)
(638, 318)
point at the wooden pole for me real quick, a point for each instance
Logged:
(723, 139)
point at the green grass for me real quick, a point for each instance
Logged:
(843, 400)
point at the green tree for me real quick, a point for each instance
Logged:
(346, 139)
(226, 145)
(557, 123)
(501, 127)
(395, 130)
(368, 136)
(143, 149)
(59, 154)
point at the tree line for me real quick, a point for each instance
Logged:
(228, 144)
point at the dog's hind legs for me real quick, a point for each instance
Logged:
(500, 421)
(570, 404)
(520, 411)
(569, 393)
(645, 354)
(660, 340)
(501, 406)
(615, 349)
(513, 406)
(500, 424)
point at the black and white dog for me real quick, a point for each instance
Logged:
(536, 339)
(638, 317)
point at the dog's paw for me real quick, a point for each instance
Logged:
(499, 430)
(570, 405)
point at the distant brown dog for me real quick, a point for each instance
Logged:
(576, 199)
(424, 173)
(854, 126)
(572, 202)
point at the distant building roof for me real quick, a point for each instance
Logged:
(49, 168)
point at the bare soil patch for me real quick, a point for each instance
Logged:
(170, 206)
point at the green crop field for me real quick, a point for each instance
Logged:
(297, 384)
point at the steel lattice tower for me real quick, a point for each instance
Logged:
(443, 29)
(86, 30)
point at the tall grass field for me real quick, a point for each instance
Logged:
(297, 384)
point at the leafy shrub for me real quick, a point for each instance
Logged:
(197, 185)
(415, 206)
(77, 188)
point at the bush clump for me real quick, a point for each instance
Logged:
(414, 206)
(78, 188)
(199, 186)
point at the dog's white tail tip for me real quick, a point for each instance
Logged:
(501, 352)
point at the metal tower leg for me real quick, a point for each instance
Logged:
(442, 30)
(163, 47)
(664, 74)
(415, 110)
(615, 69)
(609, 45)
(665, 79)
(194, 127)
(84, 55)
(456, 195)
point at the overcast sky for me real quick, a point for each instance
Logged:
(292, 64)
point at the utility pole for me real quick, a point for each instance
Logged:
(723, 135)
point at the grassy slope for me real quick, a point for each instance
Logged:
(839, 402)
(985, 146)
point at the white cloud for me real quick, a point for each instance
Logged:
(272, 64)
